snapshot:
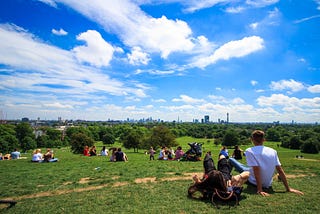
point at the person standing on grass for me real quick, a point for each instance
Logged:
(151, 153)
(261, 163)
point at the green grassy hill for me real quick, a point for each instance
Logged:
(78, 184)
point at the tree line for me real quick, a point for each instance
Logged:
(304, 137)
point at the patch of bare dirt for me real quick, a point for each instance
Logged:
(115, 177)
(84, 180)
(306, 159)
(119, 184)
(145, 180)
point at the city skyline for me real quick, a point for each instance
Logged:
(256, 60)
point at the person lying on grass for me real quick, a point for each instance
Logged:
(220, 179)
(261, 163)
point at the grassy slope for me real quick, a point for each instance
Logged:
(112, 188)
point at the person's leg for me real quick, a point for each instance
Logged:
(239, 180)
(238, 166)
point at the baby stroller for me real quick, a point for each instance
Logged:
(194, 153)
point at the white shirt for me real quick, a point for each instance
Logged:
(37, 157)
(267, 159)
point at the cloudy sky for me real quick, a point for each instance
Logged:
(257, 60)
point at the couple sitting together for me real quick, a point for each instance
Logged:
(261, 164)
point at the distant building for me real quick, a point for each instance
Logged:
(25, 119)
(227, 117)
(206, 119)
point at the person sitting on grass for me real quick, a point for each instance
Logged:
(37, 156)
(261, 163)
(15, 155)
(104, 151)
(86, 151)
(49, 157)
(120, 156)
(179, 153)
(93, 151)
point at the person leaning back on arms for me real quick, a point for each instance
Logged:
(261, 162)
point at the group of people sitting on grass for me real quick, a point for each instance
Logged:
(38, 157)
(261, 164)
(116, 153)
(167, 153)
(11, 156)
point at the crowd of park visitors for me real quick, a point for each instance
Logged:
(167, 153)
(116, 154)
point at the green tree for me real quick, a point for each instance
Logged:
(42, 141)
(24, 130)
(295, 142)
(8, 143)
(28, 143)
(107, 135)
(161, 136)
(311, 145)
(273, 134)
(133, 139)
(78, 141)
(231, 138)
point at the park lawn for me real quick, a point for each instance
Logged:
(75, 184)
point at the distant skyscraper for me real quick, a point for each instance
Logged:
(206, 119)
(227, 117)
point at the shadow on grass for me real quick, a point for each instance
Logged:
(253, 190)
(219, 203)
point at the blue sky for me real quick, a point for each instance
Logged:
(165, 59)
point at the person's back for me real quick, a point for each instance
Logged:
(119, 155)
(15, 154)
(237, 153)
(267, 159)
(37, 156)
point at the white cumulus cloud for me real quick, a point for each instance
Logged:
(138, 57)
(96, 51)
(291, 85)
(314, 89)
(232, 49)
(60, 32)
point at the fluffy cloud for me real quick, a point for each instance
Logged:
(134, 27)
(96, 51)
(286, 101)
(291, 85)
(60, 32)
(232, 49)
(138, 57)
(314, 89)
(54, 70)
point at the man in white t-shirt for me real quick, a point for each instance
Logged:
(261, 163)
